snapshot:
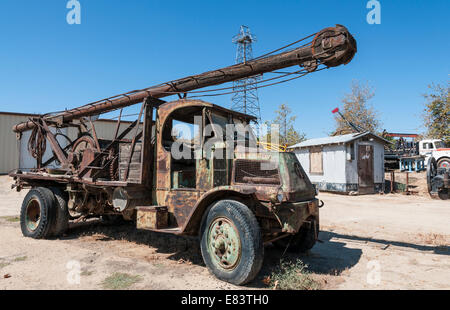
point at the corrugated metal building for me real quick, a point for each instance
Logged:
(14, 153)
(346, 163)
(9, 146)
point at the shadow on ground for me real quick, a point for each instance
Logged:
(177, 247)
(328, 257)
(435, 249)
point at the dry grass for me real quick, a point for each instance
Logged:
(20, 259)
(87, 273)
(11, 219)
(292, 276)
(120, 281)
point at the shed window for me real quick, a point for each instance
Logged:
(316, 160)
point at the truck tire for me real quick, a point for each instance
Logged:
(231, 242)
(302, 241)
(443, 162)
(61, 223)
(37, 213)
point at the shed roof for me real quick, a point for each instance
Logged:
(337, 140)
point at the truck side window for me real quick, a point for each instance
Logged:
(180, 137)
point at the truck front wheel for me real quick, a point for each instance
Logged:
(231, 242)
(302, 241)
(37, 213)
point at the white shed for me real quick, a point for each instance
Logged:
(346, 163)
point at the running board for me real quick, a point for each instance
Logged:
(173, 230)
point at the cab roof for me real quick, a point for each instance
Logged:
(190, 106)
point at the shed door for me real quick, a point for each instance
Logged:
(365, 169)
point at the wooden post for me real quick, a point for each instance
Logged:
(392, 181)
(407, 183)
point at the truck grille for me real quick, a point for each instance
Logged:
(255, 172)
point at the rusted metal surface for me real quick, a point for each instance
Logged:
(152, 218)
(148, 148)
(292, 215)
(130, 160)
(332, 47)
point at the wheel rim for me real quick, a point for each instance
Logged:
(33, 214)
(444, 164)
(224, 244)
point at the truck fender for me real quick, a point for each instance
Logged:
(192, 225)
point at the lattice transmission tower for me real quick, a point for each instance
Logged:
(245, 99)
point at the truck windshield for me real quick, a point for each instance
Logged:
(439, 144)
(240, 130)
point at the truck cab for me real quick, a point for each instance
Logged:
(437, 149)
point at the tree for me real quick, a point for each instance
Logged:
(437, 113)
(286, 130)
(358, 110)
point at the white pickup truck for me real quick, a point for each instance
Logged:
(437, 149)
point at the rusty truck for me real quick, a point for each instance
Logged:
(235, 204)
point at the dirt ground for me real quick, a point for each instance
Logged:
(366, 242)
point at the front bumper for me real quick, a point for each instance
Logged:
(292, 215)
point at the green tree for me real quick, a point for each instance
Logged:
(285, 122)
(437, 113)
(358, 110)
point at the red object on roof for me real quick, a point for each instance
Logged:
(335, 111)
(403, 135)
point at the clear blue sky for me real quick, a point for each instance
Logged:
(47, 65)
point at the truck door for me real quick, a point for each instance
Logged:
(177, 166)
(365, 169)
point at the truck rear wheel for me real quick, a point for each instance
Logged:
(231, 242)
(37, 213)
(302, 241)
(61, 222)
